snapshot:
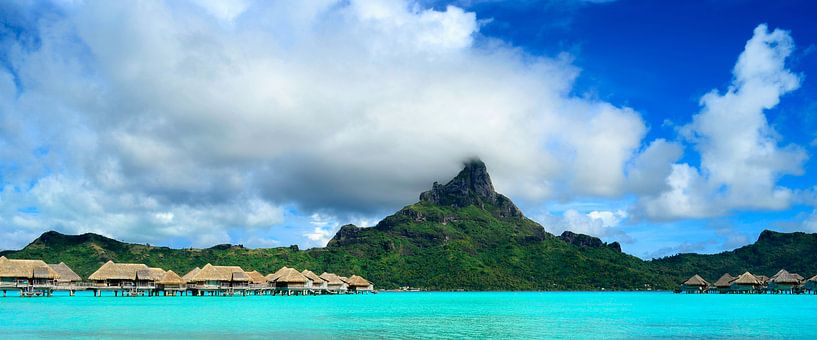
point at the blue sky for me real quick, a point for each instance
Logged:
(670, 127)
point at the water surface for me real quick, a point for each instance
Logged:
(414, 315)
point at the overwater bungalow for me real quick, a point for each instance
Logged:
(811, 285)
(764, 280)
(358, 284)
(273, 276)
(333, 283)
(318, 284)
(694, 285)
(784, 282)
(745, 283)
(146, 279)
(134, 278)
(219, 279)
(187, 277)
(257, 279)
(724, 284)
(291, 281)
(67, 276)
(28, 276)
(171, 283)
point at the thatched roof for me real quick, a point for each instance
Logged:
(291, 275)
(358, 281)
(171, 278)
(219, 273)
(724, 281)
(191, 273)
(241, 276)
(344, 279)
(784, 277)
(256, 277)
(150, 274)
(272, 277)
(813, 279)
(746, 279)
(695, 280)
(117, 271)
(799, 277)
(312, 276)
(763, 279)
(332, 279)
(26, 269)
(66, 273)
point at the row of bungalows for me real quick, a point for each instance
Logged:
(35, 277)
(782, 282)
(135, 279)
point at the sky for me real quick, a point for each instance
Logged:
(669, 127)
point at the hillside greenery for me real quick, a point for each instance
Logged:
(471, 250)
(461, 235)
(795, 252)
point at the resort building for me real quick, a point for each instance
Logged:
(67, 277)
(28, 276)
(290, 281)
(784, 282)
(724, 284)
(746, 283)
(358, 284)
(171, 283)
(811, 285)
(333, 283)
(146, 279)
(764, 280)
(257, 280)
(134, 278)
(318, 284)
(273, 276)
(219, 279)
(694, 285)
(189, 276)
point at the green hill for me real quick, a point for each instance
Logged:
(461, 235)
(795, 252)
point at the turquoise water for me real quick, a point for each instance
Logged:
(415, 315)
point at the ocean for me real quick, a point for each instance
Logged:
(501, 315)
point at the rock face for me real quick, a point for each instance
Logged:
(472, 186)
(587, 241)
(346, 233)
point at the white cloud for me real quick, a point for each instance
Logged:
(349, 108)
(324, 229)
(225, 10)
(599, 223)
(741, 159)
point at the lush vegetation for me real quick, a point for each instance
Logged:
(795, 252)
(461, 235)
(446, 248)
(422, 245)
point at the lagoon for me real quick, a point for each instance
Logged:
(415, 315)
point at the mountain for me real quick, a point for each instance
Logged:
(465, 235)
(460, 235)
(795, 252)
(85, 253)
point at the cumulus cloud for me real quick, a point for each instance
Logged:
(599, 223)
(741, 158)
(185, 119)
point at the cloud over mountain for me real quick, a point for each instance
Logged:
(203, 110)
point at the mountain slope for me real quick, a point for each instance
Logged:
(85, 253)
(461, 235)
(795, 252)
